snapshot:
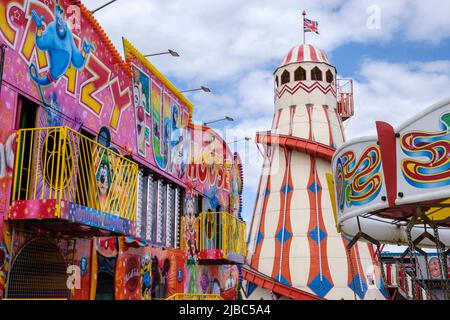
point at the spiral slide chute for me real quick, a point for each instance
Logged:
(399, 178)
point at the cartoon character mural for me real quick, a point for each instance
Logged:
(146, 277)
(103, 174)
(57, 40)
(221, 280)
(159, 277)
(141, 94)
(190, 232)
(179, 142)
(111, 199)
(5, 249)
(159, 150)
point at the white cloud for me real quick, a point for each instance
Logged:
(219, 42)
(394, 92)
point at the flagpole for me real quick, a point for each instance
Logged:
(304, 33)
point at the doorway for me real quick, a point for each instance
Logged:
(105, 277)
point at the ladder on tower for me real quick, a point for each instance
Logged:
(345, 102)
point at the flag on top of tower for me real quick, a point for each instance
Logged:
(310, 26)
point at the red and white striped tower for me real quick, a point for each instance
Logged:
(293, 239)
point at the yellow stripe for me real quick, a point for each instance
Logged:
(330, 183)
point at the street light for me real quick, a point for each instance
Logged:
(236, 141)
(222, 119)
(202, 88)
(102, 6)
(171, 52)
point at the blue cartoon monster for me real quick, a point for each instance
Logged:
(57, 39)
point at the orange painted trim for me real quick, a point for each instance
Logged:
(279, 288)
(103, 36)
(315, 149)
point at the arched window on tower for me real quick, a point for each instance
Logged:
(330, 77)
(276, 82)
(316, 74)
(285, 77)
(300, 74)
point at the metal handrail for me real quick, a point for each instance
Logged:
(60, 163)
(223, 231)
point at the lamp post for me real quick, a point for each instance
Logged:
(236, 141)
(169, 51)
(222, 119)
(102, 6)
(202, 88)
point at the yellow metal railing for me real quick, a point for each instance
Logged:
(222, 231)
(192, 296)
(59, 163)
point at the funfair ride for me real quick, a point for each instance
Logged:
(393, 188)
(294, 250)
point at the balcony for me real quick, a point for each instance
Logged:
(222, 239)
(345, 103)
(192, 296)
(72, 184)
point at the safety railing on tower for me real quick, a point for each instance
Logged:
(345, 102)
(60, 165)
(192, 296)
(222, 238)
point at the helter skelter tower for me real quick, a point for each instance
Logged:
(294, 247)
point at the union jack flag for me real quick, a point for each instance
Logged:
(311, 26)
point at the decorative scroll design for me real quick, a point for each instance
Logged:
(358, 181)
(429, 166)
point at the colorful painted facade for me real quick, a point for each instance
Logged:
(294, 249)
(103, 175)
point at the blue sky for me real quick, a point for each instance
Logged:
(397, 52)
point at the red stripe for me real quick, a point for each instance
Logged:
(301, 85)
(278, 118)
(256, 255)
(285, 263)
(309, 109)
(312, 51)
(340, 124)
(321, 55)
(362, 274)
(301, 54)
(325, 109)
(315, 260)
(278, 247)
(386, 138)
(288, 57)
(291, 120)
